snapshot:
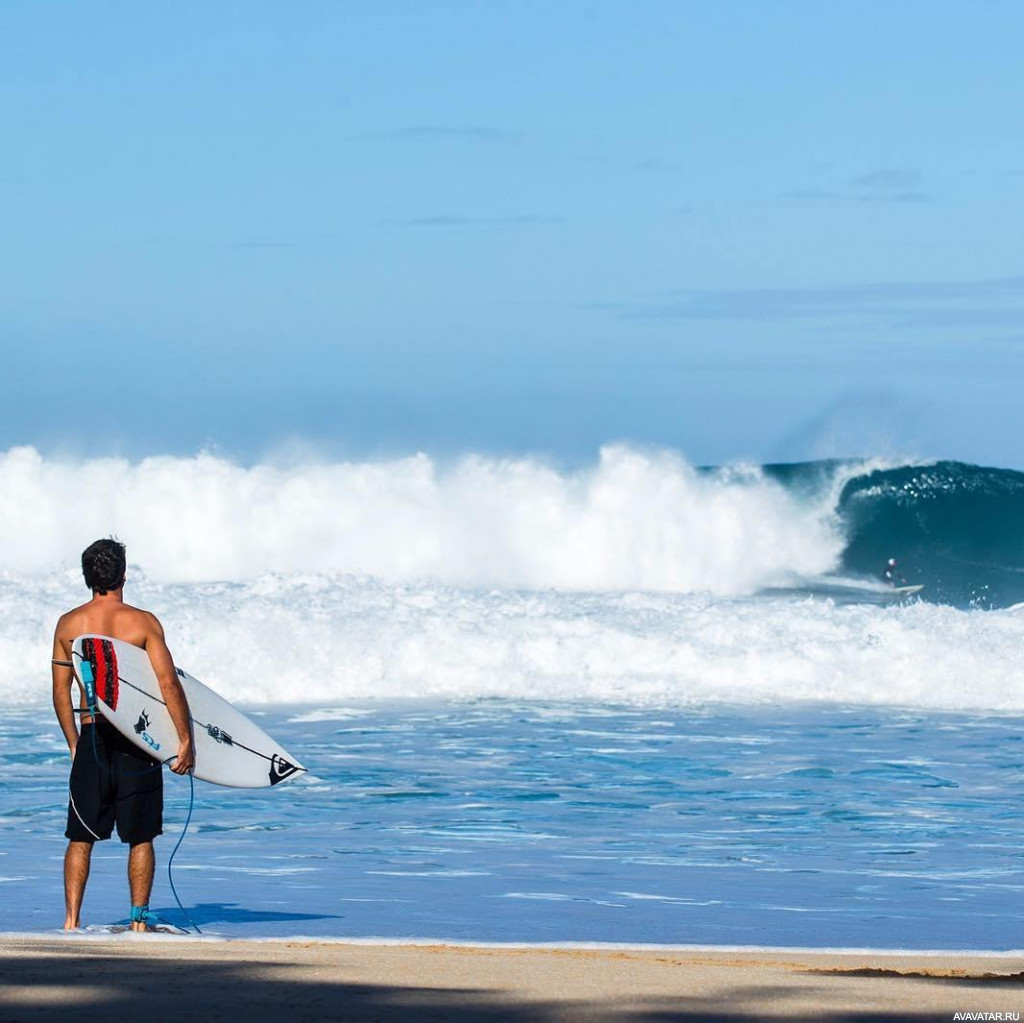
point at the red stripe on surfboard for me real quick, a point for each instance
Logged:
(99, 669)
(104, 663)
(112, 677)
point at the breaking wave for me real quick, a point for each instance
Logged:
(638, 579)
(635, 520)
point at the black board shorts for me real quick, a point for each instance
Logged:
(113, 782)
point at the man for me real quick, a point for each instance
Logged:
(112, 781)
(891, 576)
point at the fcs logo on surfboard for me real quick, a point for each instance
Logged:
(280, 769)
(140, 729)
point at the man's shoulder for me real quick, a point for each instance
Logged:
(131, 609)
(141, 616)
(68, 619)
(143, 623)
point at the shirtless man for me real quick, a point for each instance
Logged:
(112, 781)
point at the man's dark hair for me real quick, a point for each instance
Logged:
(103, 565)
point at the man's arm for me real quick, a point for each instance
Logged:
(63, 678)
(173, 694)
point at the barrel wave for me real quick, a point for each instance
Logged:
(958, 529)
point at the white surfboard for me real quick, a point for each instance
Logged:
(906, 591)
(230, 748)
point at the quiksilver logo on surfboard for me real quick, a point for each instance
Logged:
(280, 769)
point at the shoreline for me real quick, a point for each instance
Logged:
(102, 934)
(44, 977)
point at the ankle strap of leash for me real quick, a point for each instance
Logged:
(142, 915)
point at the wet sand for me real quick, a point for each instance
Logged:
(50, 978)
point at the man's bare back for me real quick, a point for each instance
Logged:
(108, 615)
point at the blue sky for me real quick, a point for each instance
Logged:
(744, 230)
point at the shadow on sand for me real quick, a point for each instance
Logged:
(50, 985)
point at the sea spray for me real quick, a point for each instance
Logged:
(633, 520)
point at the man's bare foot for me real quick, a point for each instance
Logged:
(141, 925)
(72, 925)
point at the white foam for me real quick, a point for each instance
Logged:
(327, 641)
(42, 937)
(622, 582)
(634, 520)
(329, 714)
(617, 946)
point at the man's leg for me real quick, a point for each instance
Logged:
(76, 873)
(141, 866)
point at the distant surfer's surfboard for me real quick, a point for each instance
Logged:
(906, 591)
(230, 749)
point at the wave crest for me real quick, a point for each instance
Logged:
(635, 520)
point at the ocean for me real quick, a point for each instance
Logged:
(633, 702)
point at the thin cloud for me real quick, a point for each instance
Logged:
(836, 196)
(257, 244)
(896, 197)
(812, 194)
(458, 220)
(432, 132)
(890, 180)
(886, 185)
(658, 163)
(995, 302)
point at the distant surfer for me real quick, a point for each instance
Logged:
(112, 781)
(891, 576)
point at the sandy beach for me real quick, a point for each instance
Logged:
(46, 978)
